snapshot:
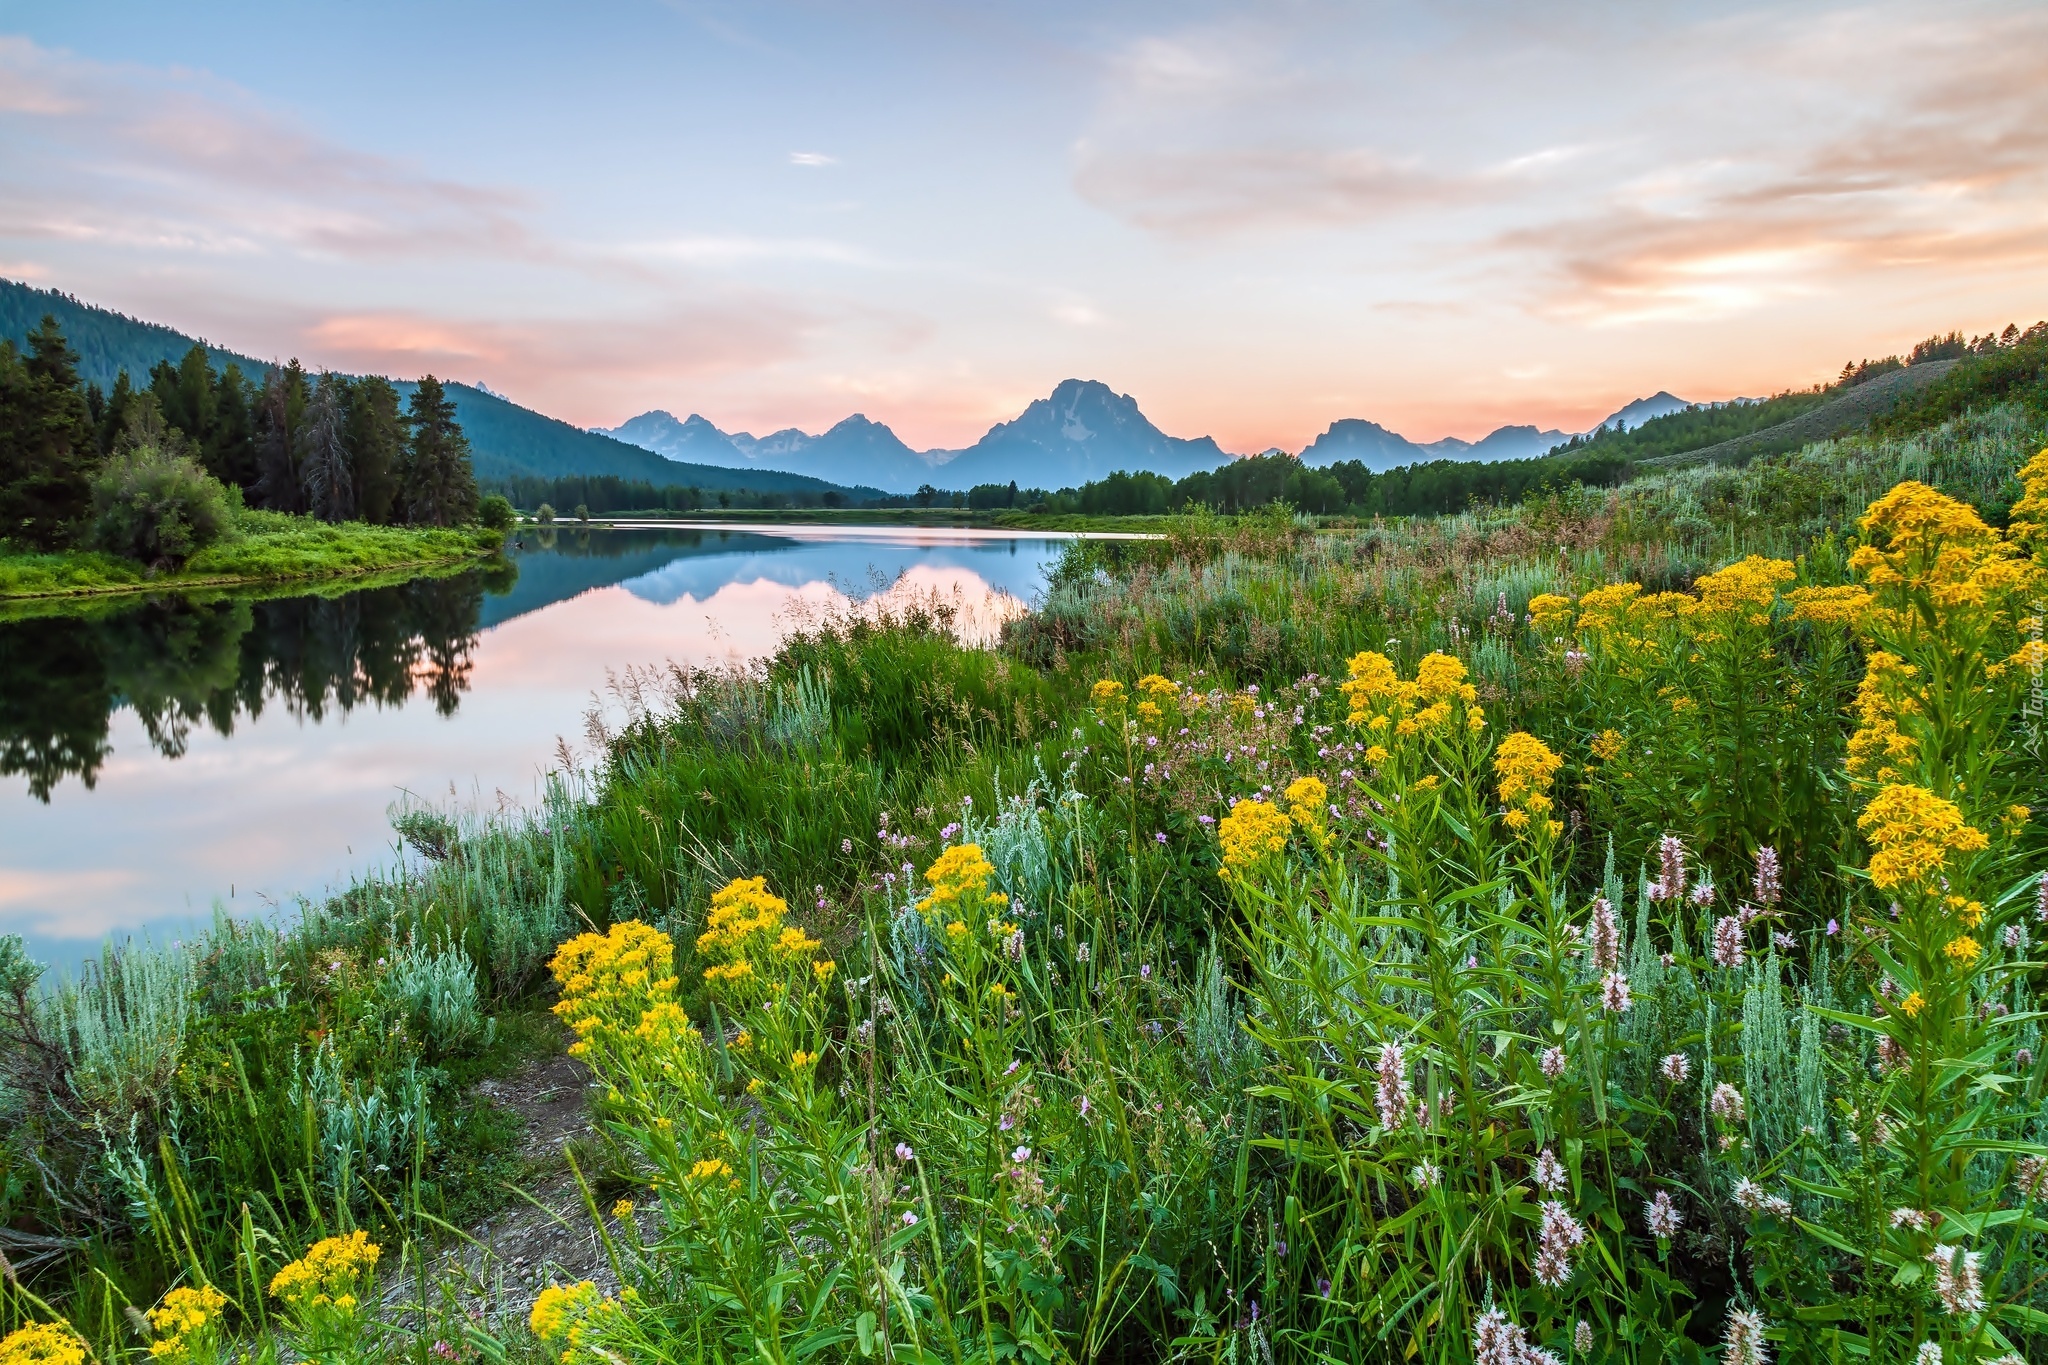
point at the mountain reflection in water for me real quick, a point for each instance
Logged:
(164, 753)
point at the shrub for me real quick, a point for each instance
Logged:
(158, 508)
(545, 514)
(495, 513)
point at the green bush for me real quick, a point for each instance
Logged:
(158, 508)
(495, 513)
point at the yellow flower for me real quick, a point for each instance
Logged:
(1156, 686)
(1524, 764)
(1376, 754)
(1252, 833)
(1372, 679)
(610, 981)
(180, 1322)
(559, 1308)
(1913, 831)
(1963, 950)
(1912, 1005)
(711, 1168)
(1106, 694)
(2014, 819)
(960, 886)
(1548, 610)
(1744, 588)
(328, 1274)
(823, 970)
(1607, 745)
(1847, 605)
(1149, 712)
(744, 1041)
(1970, 914)
(1306, 796)
(1441, 677)
(622, 1210)
(42, 1343)
(800, 1059)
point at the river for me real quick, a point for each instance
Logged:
(162, 756)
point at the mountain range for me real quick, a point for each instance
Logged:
(1083, 431)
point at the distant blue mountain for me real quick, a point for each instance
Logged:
(856, 448)
(1084, 431)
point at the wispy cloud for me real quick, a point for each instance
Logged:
(137, 157)
(812, 159)
(569, 366)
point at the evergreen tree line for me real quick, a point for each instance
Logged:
(1347, 488)
(607, 494)
(329, 446)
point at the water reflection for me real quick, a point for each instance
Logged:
(245, 750)
(180, 662)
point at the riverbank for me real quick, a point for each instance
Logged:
(270, 548)
(934, 517)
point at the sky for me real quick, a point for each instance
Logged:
(1255, 219)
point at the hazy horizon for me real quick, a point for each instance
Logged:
(1254, 220)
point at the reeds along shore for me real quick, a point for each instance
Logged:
(1602, 930)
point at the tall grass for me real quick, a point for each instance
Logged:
(1276, 1008)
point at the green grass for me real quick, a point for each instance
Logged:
(270, 547)
(1226, 1040)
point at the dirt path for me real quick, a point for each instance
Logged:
(545, 1237)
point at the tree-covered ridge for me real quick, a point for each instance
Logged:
(154, 471)
(1697, 427)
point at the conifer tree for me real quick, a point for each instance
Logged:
(376, 443)
(437, 486)
(278, 415)
(47, 445)
(228, 449)
(326, 472)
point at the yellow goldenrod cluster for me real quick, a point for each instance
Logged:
(1913, 831)
(1549, 611)
(182, 1320)
(711, 1168)
(2030, 513)
(1107, 695)
(42, 1343)
(566, 1314)
(1252, 834)
(1607, 745)
(960, 892)
(1158, 692)
(1308, 800)
(1846, 605)
(613, 983)
(1380, 700)
(329, 1274)
(1747, 589)
(1879, 749)
(745, 924)
(1622, 619)
(1525, 768)
(1918, 540)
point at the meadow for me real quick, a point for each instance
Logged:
(266, 547)
(1601, 929)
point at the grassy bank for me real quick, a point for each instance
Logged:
(270, 547)
(1604, 925)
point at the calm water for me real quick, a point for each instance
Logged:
(171, 753)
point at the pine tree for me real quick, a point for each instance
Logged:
(376, 443)
(278, 414)
(229, 448)
(47, 445)
(326, 471)
(437, 487)
(112, 418)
